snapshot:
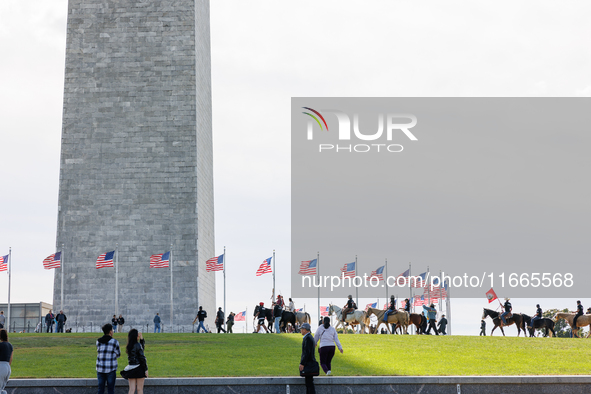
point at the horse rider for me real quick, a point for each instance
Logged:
(280, 301)
(588, 311)
(261, 317)
(391, 308)
(291, 306)
(508, 309)
(407, 306)
(579, 313)
(537, 316)
(349, 307)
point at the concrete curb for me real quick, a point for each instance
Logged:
(325, 384)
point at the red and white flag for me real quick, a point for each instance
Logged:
(105, 260)
(265, 268)
(4, 263)
(491, 295)
(215, 263)
(240, 316)
(160, 260)
(53, 261)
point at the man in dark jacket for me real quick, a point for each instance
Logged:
(157, 321)
(277, 312)
(482, 328)
(442, 325)
(201, 315)
(219, 320)
(49, 321)
(307, 360)
(61, 320)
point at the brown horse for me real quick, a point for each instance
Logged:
(516, 319)
(417, 320)
(399, 318)
(582, 321)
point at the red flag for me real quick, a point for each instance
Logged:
(491, 295)
(240, 317)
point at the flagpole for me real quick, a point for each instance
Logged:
(171, 293)
(440, 294)
(356, 288)
(62, 269)
(429, 296)
(9, 279)
(273, 300)
(116, 278)
(225, 261)
(410, 288)
(448, 309)
(317, 276)
(386, 281)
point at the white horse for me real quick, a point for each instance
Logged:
(303, 317)
(355, 318)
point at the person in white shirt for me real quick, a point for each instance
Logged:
(326, 337)
(291, 306)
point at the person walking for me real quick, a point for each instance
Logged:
(5, 359)
(136, 370)
(261, 317)
(157, 321)
(442, 325)
(201, 315)
(49, 321)
(120, 322)
(325, 338)
(482, 328)
(61, 321)
(114, 323)
(308, 364)
(2, 319)
(107, 353)
(230, 322)
(219, 320)
(432, 317)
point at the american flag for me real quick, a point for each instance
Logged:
(299, 310)
(385, 307)
(240, 316)
(418, 281)
(105, 260)
(403, 275)
(308, 267)
(160, 260)
(53, 261)
(4, 263)
(348, 270)
(419, 301)
(374, 305)
(215, 263)
(323, 311)
(379, 273)
(265, 268)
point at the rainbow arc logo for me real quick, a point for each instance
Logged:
(315, 118)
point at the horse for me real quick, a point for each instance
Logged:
(496, 318)
(545, 323)
(417, 320)
(582, 321)
(288, 317)
(302, 317)
(268, 316)
(355, 318)
(401, 317)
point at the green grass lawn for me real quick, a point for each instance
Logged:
(184, 355)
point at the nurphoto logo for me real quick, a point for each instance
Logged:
(394, 124)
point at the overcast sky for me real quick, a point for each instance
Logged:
(264, 53)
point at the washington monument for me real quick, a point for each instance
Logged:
(136, 169)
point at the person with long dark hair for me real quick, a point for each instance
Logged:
(5, 359)
(137, 369)
(327, 336)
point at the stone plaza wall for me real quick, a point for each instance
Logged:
(136, 160)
